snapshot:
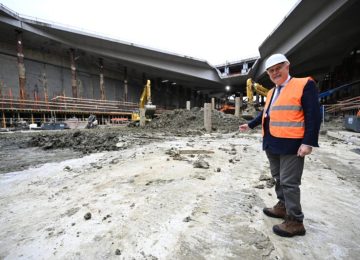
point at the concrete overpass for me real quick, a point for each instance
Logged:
(316, 36)
(52, 38)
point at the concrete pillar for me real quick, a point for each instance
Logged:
(206, 98)
(3, 120)
(102, 82)
(207, 117)
(187, 94)
(197, 99)
(175, 92)
(169, 95)
(237, 106)
(201, 98)
(142, 117)
(125, 85)
(155, 91)
(193, 98)
(162, 94)
(43, 80)
(21, 66)
(188, 106)
(241, 101)
(213, 103)
(73, 74)
(183, 96)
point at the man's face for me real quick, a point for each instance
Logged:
(279, 73)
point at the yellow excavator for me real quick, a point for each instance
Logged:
(251, 87)
(146, 104)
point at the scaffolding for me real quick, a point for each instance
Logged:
(61, 108)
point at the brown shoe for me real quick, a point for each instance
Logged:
(289, 228)
(278, 211)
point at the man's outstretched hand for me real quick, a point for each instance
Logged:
(244, 127)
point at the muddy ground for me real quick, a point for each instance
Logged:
(170, 191)
(19, 150)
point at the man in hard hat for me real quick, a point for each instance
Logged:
(290, 125)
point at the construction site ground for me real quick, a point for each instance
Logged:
(170, 191)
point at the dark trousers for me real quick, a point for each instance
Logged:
(287, 171)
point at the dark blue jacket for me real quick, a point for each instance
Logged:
(311, 108)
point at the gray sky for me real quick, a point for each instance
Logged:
(216, 31)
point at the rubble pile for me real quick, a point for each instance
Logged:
(86, 141)
(178, 122)
(192, 121)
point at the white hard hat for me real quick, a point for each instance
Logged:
(275, 59)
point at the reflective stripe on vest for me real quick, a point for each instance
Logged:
(288, 124)
(286, 113)
(296, 108)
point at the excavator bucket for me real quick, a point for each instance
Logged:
(150, 110)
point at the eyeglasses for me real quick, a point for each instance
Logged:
(276, 69)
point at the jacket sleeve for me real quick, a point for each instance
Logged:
(256, 121)
(311, 107)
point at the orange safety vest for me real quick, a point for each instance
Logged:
(286, 113)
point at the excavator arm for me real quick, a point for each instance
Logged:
(145, 97)
(250, 112)
(145, 103)
(252, 87)
(249, 91)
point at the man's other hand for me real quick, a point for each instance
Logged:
(304, 150)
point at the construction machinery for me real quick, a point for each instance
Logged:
(251, 87)
(144, 104)
(92, 122)
(228, 109)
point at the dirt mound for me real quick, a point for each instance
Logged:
(179, 122)
(87, 141)
(84, 141)
(182, 121)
